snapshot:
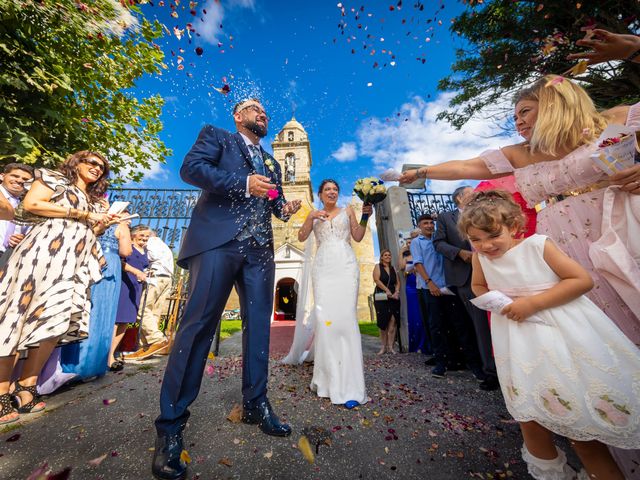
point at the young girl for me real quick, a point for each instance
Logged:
(563, 366)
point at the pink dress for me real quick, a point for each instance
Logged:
(599, 229)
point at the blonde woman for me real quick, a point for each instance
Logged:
(553, 168)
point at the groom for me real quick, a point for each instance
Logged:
(229, 242)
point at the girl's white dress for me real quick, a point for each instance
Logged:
(570, 368)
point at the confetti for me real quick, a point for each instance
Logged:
(108, 401)
(185, 457)
(97, 461)
(305, 448)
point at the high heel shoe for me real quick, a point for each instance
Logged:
(32, 406)
(7, 409)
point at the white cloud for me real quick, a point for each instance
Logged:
(412, 135)
(347, 152)
(209, 30)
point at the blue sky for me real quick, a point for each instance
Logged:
(364, 88)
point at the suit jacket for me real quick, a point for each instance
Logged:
(219, 163)
(448, 241)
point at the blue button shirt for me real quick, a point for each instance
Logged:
(423, 252)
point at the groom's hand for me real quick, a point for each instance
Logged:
(291, 207)
(259, 185)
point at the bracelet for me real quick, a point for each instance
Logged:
(68, 213)
(631, 57)
(429, 280)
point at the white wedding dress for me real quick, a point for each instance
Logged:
(338, 371)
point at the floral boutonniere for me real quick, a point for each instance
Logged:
(269, 163)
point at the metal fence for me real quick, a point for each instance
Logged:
(431, 203)
(167, 211)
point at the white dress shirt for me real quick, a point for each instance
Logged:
(160, 257)
(4, 224)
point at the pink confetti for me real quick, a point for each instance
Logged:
(272, 194)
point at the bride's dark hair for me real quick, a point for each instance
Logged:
(325, 181)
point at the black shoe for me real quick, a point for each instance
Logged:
(479, 374)
(439, 371)
(263, 416)
(167, 464)
(431, 362)
(491, 383)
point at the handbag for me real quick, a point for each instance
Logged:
(382, 296)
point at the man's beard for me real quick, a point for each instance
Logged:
(253, 127)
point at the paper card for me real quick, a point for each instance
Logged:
(118, 207)
(494, 301)
(618, 156)
(390, 175)
(129, 217)
(446, 291)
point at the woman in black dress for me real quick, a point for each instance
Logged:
(387, 309)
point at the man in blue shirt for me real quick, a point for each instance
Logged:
(439, 309)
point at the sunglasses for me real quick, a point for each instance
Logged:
(94, 163)
(257, 110)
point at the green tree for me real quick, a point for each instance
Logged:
(66, 70)
(512, 42)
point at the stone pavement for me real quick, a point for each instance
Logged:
(415, 427)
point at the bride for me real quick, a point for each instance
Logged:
(332, 324)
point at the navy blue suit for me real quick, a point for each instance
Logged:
(219, 163)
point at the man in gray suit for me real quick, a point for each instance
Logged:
(456, 250)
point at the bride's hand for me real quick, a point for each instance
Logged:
(319, 215)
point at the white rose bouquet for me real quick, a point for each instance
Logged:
(370, 190)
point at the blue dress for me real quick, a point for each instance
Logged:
(89, 357)
(131, 290)
(417, 338)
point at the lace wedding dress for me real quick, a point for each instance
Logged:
(338, 371)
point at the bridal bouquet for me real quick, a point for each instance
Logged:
(616, 149)
(370, 190)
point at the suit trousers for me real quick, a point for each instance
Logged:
(250, 267)
(481, 326)
(443, 315)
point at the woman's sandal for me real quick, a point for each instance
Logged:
(32, 406)
(7, 409)
(116, 366)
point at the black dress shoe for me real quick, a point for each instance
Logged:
(263, 416)
(167, 464)
(430, 362)
(491, 383)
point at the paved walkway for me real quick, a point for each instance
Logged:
(415, 427)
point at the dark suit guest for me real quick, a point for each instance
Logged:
(229, 242)
(448, 241)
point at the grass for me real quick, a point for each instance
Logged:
(229, 327)
(369, 328)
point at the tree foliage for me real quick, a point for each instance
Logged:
(512, 42)
(66, 69)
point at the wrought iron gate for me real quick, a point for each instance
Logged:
(431, 203)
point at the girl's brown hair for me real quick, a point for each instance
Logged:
(69, 169)
(489, 211)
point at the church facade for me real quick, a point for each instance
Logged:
(292, 150)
